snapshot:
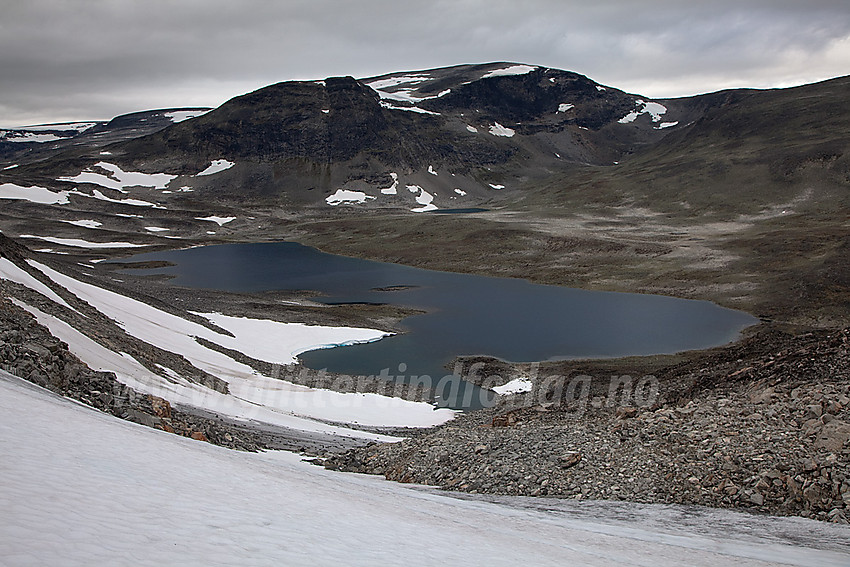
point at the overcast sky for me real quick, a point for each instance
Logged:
(63, 60)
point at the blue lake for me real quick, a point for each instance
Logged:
(510, 319)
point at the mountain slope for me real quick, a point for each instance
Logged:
(483, 128)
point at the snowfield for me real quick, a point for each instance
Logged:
(120, 180)
(129, 202)
(345, 196)
(392, 189)
(85, 223)
(220, 221)
(84, 488)
(80, 243)
(654, 109)
(512, 70)
(7, 136)
(498, 130)
(216, 166)
(515, 386)
(33, 194)
(181, 115)
(252, 395)
(62, 127)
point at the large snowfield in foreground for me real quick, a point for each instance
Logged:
(84, 488)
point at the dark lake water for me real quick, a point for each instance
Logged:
(510, 319)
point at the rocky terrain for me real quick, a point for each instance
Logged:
(737, 197)
(762, 425)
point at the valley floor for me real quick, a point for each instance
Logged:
(83, 488)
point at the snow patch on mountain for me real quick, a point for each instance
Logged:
(220, 221)
(515, 386)
(654, 109)
(346, 196)
(80, 243)
(101, 197)
(512, 70)
(12, 272)
(386, 104)
(383, 84)
(85, 223)
(118, 179)
(424, 198)
(16, 136)
(498, 130)
(33, 194)
(62, 126)
(182, 115)
(216, 166)
(393, 189)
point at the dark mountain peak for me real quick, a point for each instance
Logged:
(487, 127)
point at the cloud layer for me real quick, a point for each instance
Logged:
(81, 59)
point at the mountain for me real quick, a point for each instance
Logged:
(725, 196)
(45, 140)
(465, 134)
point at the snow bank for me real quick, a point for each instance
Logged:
(512, 70)
(385, 104)
(515, 386)
(426, 200)
(220, 221)
(181, 115)
(498, 130)
(84, 488)
(216, 166)
(85, 223)
(392, 189)
(346, 196)
(76, 126)
(269, 341)
(564, 107)
(33, 194)
(30, 137)
(119, 179)
(101, 197)
(176, 389)
(281, 343)
(10, 271)
(654, 109)
(79, 243)
(383, 84)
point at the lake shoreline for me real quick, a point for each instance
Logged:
(740, 426)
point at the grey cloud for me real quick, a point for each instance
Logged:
(100, 58)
